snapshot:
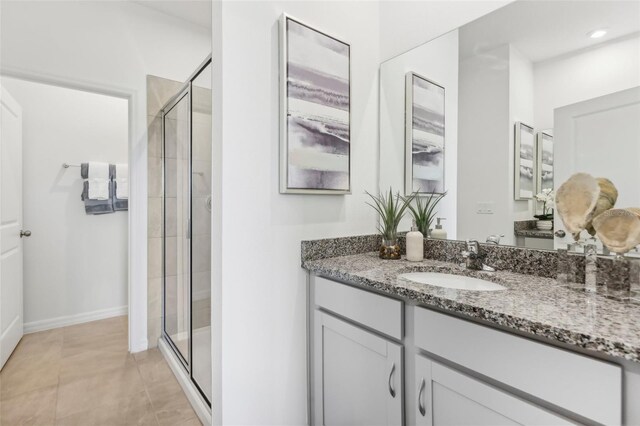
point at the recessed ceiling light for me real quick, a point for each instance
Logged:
(596, 33)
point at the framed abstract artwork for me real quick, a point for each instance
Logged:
(544, 143)
(525, 162)
(315, 110)
(424, 135)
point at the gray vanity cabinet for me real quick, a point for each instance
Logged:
(376, 360)
(356, 356)
(359, 381)
(448, 397)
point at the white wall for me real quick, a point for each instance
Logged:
(74, 263)
(437, 61)
(407, 24)
(106, 46)
(483, 145)
(521, 98)
(263, 358)
(496, 90)
(259, 301)
(604, 69)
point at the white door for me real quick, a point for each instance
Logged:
(358, 375)
(600, 136)
(10, 225)
(448, 397)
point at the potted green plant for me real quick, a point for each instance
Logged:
(545, 220)
(424, 211)
(391, 210)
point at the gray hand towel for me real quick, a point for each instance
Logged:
(119, 204)
(96, 206)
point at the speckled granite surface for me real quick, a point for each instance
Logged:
(542, 263)
(527, 228)
(520, 225)
(332, 247)
(534, 233)
(531, 304)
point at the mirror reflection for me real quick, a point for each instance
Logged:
(500, 112)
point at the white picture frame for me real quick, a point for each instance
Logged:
(315, 111)
(545, 161)
(425, 136)
(525, 162)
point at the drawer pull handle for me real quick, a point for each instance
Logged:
(392, 391)
(420, 403)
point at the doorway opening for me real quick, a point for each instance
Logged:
(71, 205)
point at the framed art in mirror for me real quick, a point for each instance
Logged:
(525, 162)
(424, 135)
(315, 116)
(544, 143)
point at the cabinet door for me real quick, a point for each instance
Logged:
(448, 397)
(357, 375)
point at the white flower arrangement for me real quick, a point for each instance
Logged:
(547, 198)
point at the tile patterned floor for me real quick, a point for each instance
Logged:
(84, 375)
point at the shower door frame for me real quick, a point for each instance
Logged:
(185, 90)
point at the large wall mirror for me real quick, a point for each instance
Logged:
(522, 99)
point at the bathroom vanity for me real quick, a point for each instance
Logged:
(386, 350)
(484, 114)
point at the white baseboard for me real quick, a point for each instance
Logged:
(195, 399)
(48, 324)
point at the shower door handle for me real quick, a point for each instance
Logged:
(188, 229)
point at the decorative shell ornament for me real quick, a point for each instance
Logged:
(582, 198)
(619, 229)
(606, 200)
(575, 202)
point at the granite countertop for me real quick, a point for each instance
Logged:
(531, 304)
(534, 233)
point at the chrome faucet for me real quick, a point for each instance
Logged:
(474, 258)
(494, 239)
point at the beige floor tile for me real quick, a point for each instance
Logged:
(79, 342)
(153, 367)
(95, 391)
(194, 421)
(88, 363)
(42, 344)
(170, 403)
(102, 327)
(24, 374)
(84, 375)
(133, 410)
(35, 408)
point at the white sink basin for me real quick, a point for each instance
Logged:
(457, 282)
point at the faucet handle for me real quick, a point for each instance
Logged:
(494, 238)
(469, 254)
(473, 246)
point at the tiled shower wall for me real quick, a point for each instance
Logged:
(159, 91)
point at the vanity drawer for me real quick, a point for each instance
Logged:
(380, 313)
(577, 383)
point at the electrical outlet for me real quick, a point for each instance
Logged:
(484, 208)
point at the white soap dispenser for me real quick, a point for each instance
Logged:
(439, 233)
(415, 244)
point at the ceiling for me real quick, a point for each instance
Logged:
(197, 12)
(542, 30)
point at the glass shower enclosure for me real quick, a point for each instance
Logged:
(187, 139)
